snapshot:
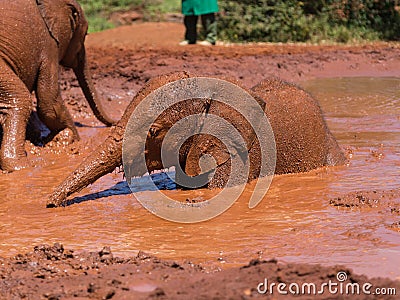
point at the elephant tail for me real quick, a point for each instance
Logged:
(335, 155)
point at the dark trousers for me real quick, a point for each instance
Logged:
(209, 26)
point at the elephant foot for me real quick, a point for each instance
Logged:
(14, 164)
(64, 137)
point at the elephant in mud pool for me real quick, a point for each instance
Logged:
(303, 141)
(36, 36)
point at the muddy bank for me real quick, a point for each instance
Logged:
(52, 272)
(123, 59)
(128, 68)
(142, 50)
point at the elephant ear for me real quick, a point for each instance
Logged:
(53, 12)
(75, 14)
(48, 9)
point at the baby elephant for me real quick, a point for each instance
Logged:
(303, 141)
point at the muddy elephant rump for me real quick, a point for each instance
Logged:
(303, 140)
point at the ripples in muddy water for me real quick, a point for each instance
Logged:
(294, 222)
(364, 114)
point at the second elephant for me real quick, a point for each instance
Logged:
(303, 141)
(36, 36)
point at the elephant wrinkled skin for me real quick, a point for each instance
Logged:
(303, 141)
(36, 36)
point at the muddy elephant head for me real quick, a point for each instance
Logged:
(67, 25)
(109, 155)
(221, 151)
(197, 132)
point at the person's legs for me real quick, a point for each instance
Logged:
(210, 27)
(191, 29)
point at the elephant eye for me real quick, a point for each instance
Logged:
(74, 17)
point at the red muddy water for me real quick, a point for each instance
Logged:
(346, 215)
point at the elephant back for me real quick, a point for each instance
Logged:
(301, 135)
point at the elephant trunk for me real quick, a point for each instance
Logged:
(84, 77)
(109, 155)
(101, 162)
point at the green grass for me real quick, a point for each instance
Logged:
(99, 23)
(315, 21)
(98, 11)
(165, 6)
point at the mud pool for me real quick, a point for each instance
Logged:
(294, 222)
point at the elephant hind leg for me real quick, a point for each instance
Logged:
(15, 106)
(50, 106)
(55, 115)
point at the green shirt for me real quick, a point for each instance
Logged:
(199, 7)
